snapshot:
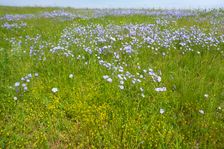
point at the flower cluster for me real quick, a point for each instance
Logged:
(22, 85)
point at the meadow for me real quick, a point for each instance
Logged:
(111, 78)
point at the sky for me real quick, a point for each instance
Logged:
(178, 4)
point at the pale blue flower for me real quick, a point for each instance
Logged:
(25, 88)
(29, 75)
(106, 77)
(17, 84)
(160, 89)
(109, 80)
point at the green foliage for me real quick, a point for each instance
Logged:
(88, 112)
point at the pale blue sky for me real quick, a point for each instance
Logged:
(118, 3)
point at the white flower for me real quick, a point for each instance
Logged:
(138, 80)
(121, 87)
(133, 81)
(143, 95)
(15, 98)
(54, 90)
(206, 95)
(160, 89)
(23, 85)
(161, 111)
(219, 108)
(27, 80)
(113, 39)
(141, 89)
(36, 74)
(121, 82)
(17, 84)
(25, 88)
(109, 80)
(71, 76)
(201, 111)
(121, 70)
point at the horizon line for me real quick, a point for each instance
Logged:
(157, 8)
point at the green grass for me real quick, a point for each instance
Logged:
(23, 10)
(87, 111)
